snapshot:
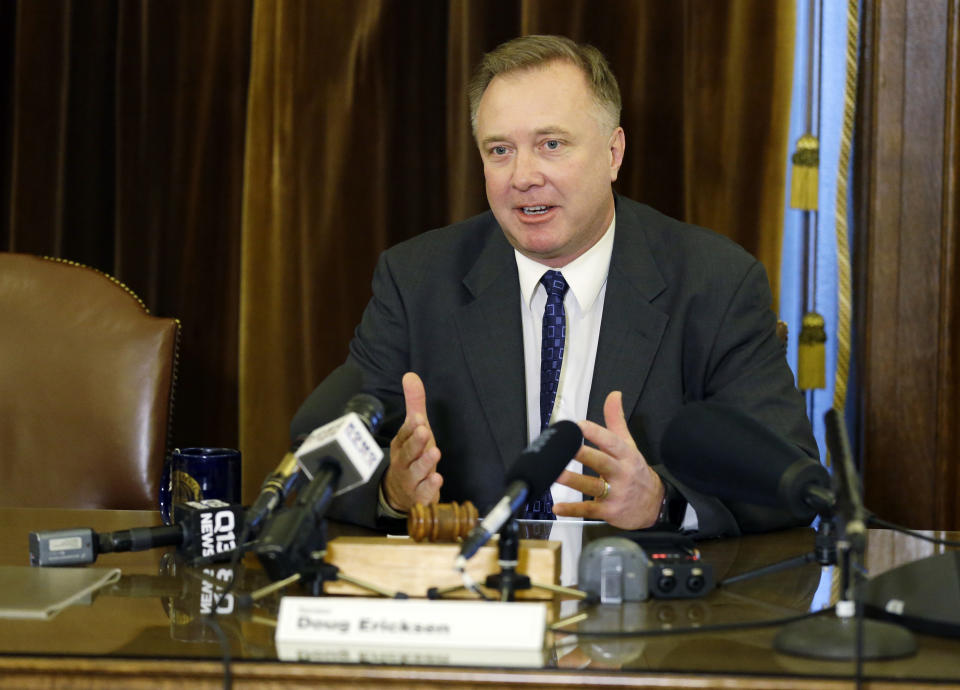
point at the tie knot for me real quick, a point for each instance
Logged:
(554, 283)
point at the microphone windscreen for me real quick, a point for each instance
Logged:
(721, 451)
(369, 408)
(543, 460)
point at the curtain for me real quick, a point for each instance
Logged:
(358, 137)
(241, 164)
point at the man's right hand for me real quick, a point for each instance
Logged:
(412, 476)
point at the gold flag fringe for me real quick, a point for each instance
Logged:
(812, 353)
(805, 173)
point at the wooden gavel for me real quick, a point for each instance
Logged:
(441, 522)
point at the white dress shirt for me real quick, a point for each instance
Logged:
(583, 305)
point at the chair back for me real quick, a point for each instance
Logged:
(86, 388)
(782, 332)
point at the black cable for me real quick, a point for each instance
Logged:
(210, 619)
(720, 627)
(212, 623)
(853, 579)
(880, 522)
(858, 610)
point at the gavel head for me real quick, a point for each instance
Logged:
(441, 522)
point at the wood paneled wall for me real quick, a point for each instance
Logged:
(908, 279)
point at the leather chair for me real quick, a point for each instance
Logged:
(86, 388)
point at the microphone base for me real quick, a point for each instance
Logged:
(835, 639)
(315, 575)
(508, 582)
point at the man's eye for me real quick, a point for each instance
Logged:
(552, 144)
(499, 150)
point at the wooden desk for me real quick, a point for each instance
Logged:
(137, 636)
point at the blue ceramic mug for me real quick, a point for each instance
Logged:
(198, 474)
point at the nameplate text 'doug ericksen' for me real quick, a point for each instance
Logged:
(412, 622)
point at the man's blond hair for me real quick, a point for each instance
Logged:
(531, 52)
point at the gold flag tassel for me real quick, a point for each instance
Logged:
(812, 354)
(804, 178)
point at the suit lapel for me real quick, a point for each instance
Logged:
(491, 332)
(631, 328)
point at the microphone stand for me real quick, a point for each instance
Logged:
(841, 541)
(841, 637)
(306, 560)
(316, 571)
(824, 552)
(847, 635)
(508, 581)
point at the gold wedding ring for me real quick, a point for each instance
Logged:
(606, 490)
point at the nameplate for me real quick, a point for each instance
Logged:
(411, 623)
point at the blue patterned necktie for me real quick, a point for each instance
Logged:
(551, 357)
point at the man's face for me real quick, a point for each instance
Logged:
(548, 161)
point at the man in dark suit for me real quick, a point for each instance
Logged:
(657, 314)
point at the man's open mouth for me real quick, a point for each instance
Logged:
(535, 210)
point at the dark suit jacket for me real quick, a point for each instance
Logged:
(686, 317)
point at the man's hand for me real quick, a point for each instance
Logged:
(412, 476)
(635, 493)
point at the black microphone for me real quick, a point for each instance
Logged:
(336, 439)
(274, 489)
(205, 531)
(846, 482)
(721, 451)
(534, 471)
(336, 457)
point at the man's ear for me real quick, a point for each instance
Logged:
(617, 145)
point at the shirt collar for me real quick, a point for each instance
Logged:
(585, 275)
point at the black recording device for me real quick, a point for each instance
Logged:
(204, 532)
(635, 566)
(677, 572)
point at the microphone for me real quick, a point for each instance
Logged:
(849, 497)
(337, 439)
(274, 489)
(348, 442)
(533, 472)
(336, 457)
(205, 531)
(721, 451)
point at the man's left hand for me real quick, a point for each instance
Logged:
(635, 491)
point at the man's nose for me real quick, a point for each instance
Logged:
(526, 171)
